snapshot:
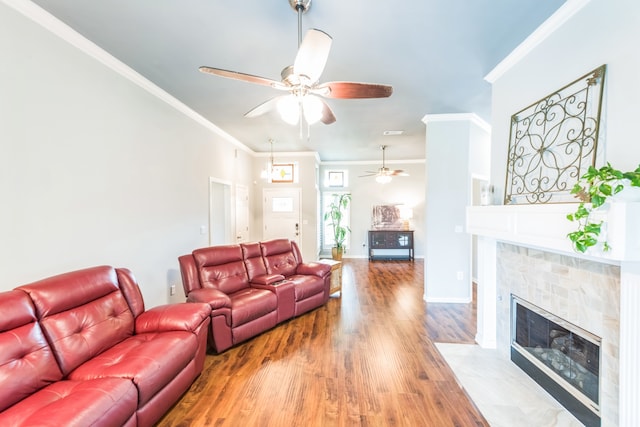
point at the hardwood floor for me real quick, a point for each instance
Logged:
(366, 358)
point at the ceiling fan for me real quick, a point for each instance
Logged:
(301, 80)
(384, 174)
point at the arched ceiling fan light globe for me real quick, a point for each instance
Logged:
(289, 109)
(383, 179)
(312, 108)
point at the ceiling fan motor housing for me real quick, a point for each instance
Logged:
(304, 5)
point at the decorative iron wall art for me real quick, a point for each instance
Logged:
(553, 142)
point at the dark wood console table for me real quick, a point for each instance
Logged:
(400, 241)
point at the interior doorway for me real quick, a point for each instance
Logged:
(242, 213)
(220, 224)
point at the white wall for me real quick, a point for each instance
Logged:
(457, 149)
(95, 170)
(603, 32)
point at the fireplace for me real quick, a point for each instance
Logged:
(523, 250)
(563, 358)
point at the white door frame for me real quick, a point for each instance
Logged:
(242, 213)
(220, 212)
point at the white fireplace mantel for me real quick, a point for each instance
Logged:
(545, 227)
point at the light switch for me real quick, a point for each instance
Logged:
(203, 229)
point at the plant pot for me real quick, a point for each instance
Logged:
(336, 253)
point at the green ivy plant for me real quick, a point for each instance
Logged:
(596, 185)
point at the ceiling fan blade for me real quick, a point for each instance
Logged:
(353, 90)
(368, 174)
(263, 108)
(399, 172)
(312, 55)
(327, 113)
(243, 77)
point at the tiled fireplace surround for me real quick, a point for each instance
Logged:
(523, 250)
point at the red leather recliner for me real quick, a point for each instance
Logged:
(251, 287)
(80, 349)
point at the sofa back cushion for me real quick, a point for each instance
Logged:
(26, 359)
(222, 268)
(253, 261)
(82, 313)
(279, 257)
(131, 291)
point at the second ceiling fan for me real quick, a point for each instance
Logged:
(384, 174)
(301, 80)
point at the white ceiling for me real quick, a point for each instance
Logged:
(435, 54)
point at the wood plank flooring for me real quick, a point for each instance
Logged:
(366, 358)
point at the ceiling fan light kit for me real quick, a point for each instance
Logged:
(301, 80)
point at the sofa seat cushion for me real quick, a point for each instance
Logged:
(306, 286)
(151, 360)
(97, 402)
(250, 304)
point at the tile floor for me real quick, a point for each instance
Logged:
(504, 394)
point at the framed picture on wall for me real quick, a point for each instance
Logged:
(386, 217)
(336, 179)
(282, 173)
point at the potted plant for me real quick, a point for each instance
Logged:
(335, 215)
(596, 186)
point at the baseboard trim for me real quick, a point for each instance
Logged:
(447, 300)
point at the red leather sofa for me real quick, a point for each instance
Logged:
(251, 287)
(80, 349)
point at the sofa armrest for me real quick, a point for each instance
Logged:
(267, 279)
(172, 317)
(215, 298)
(313, 269)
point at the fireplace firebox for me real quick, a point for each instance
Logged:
(561, 357)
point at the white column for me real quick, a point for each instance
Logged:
(486, 321)
(629, 406)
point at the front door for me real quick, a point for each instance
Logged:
(281, 214)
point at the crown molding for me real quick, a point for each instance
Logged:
(68, 34)
(371, 162)
(548, 27)
(455, 117)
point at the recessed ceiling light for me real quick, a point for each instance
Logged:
(392, 132)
